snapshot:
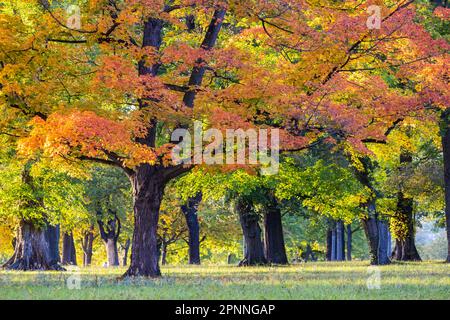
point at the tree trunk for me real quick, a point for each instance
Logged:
(109, 233)
(86, 244)
(329, 243)
(340, 251)
(275, 250)
(383, 231)
(333, 243)
(126, 247)
(349, 242)
(148, 189)
(164, 254)
(403, 218)
(31, 250)
(69, 255)
(254, 250)
(376, 233)
(112, 253)
(445, 133)
(190, 213)
(398, 250)
(52, 236)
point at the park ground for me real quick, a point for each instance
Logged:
(320, 280)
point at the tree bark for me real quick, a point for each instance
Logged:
(31, 250)
(125, 248)
(275, 250)
(329, 243)
(163, 254)
(148, 189)
(254, 250)
(340, 251)
(190, 213)
(349, 242)
(373, 226)
(383, 231)
(445, 133)
(333, 243)
(407, 245)
(109, 233)
(52, 236)
(376, 233)
(86, 244)
(69, 254)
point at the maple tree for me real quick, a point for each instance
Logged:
(113, 90)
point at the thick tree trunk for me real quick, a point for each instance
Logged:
(349, 242)
(111, 253)
(376, 233)
(86, 244)
(275, 250)
(329, 243)
(190, 213)
(69, 254)
(408, 244)
(445, 132)
(125, 248)
(383, 231)
(254, 250)
(52, 236)
(404, 218)
(109, 233)
(398, 250)
(148, 189)
(31, 250)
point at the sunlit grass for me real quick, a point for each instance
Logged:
(321, 280)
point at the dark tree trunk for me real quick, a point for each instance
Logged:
(275, 250)
(125, 248)
(308, 255)
(333, 243)
(404, 217)
(148, 189)
(254, 250)
(31, 250)
(149, 181)
(110, 233)
(445, 132)
(164, 254)
(376, 230)
(329, 243)
(407, 244)
(190, 213)
(383, 236)
(86, 244)
(349, 242)
(52, 236)
(340, 251)
(398, 250)
(69, 254)
(376, 233)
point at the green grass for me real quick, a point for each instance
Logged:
(321, 280)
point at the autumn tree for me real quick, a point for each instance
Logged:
(134, 71)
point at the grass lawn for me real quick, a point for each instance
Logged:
(321, 280)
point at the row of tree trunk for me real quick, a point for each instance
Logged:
(336, 235)
(257, 252)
